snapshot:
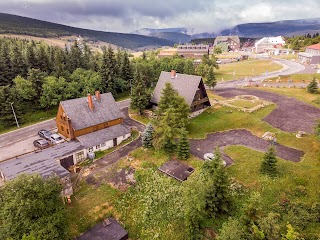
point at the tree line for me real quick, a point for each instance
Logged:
(34, 75)
(300, 42)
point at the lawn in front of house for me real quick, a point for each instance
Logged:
(244, 69)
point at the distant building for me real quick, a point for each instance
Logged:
(190, 87)
(169, 52)
(311, 54)
(193, 51)
(232, 43)
(267, 44)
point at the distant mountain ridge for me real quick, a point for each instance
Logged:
(286, 28)
(28, 26)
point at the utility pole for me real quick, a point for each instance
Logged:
(14, 114)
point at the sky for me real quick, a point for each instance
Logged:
(129, 15)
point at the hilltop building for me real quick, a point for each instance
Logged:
(193, 51)
(227, 43)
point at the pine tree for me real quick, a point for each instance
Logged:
(18, 64)
(6, 77)
(183, 146)
(140, 96)
(75, 57)
(147, 136)
(269, 163)
(218, 198)
(108, 70)
(312, 86)
(125, 69)
(317, 128)
(211, 78)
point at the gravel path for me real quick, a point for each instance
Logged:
(291, 115)
(240, 137)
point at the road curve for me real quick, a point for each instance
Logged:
(289, 67)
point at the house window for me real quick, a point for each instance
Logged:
(67, 131)
(79, 156)
(103, 144)
(90, 149)
(62, 128)
(97, 146)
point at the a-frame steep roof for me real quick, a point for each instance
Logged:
(82, 117)
(185, 84)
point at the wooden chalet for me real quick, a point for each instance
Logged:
(96, 121)
(190, 87)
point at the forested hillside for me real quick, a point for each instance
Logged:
(22, 25)
(35, 76)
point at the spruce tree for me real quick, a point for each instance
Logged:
(312, 86)
(211, 79)
(6, 77)
(183, 146)
(75, 57)
(147, 136)
(140, 96)
(269, 163)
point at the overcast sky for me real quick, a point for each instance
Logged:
(129, 15)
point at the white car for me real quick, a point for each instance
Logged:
(55, 138)
(218, 61)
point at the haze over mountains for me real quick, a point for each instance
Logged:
(151, 38)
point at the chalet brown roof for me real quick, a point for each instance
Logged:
(186, 85)
(82, 117)
(314, 46)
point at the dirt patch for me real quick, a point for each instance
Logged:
(240, 137)
(291, 115)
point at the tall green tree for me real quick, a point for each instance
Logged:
(183, 146)
(18, 62)
(218, 198)
(108, 70)
(36, 77)
(24, 88)
(313, 86)
(6, 75)
(140, 96)
(211, 78)
(31, 205)
(75, 57)
(88, 81)
(269, 163)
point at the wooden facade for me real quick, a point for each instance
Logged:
(64, 124)
(200, 100)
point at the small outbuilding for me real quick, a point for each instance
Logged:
(108, 229)
(177, 170)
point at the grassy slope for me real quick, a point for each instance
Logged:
(246, 68)
(27, 26)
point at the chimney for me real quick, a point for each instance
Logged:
(97, 93)
(173, 74)
(90, 102)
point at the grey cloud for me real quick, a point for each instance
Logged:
(128, 15)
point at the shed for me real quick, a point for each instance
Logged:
(177, 170)
(109, 229)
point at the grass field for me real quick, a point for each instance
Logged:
(298, 78)
(246, 103)
(244, 69)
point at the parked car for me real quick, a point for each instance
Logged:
(45, 134)
(218, 61)
(41, 143)
(55, 138)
